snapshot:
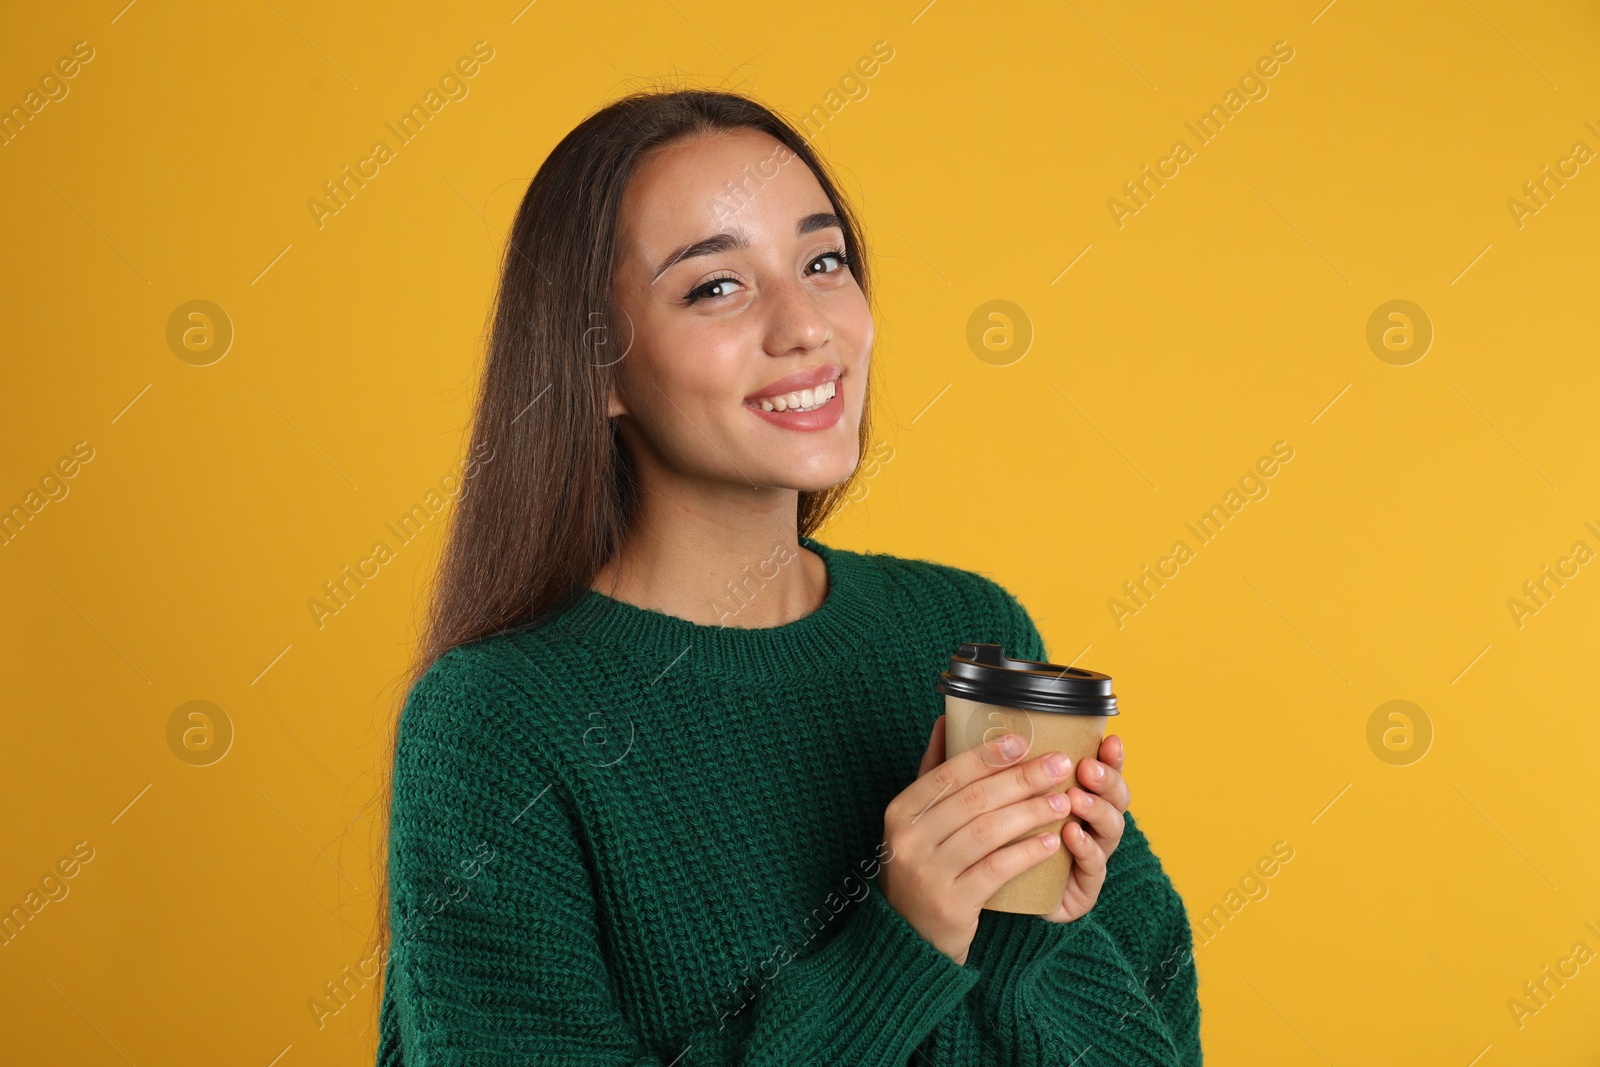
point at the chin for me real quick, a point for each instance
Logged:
(815, 471)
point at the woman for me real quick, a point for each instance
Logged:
(661, 742)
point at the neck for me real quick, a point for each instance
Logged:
(731, 557)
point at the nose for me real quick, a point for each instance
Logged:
(795, 322)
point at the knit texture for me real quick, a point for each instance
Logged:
(620, 837)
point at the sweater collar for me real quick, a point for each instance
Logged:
(853, 609)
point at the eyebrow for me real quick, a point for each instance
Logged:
(730, 240)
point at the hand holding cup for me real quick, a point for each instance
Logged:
(1100, 802)
(948, 834)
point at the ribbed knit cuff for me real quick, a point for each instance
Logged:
(1179, 1005)
(1009, 950)
(1079, 989)
(882, 987)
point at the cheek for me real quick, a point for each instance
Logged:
(690, 373)
(705, 364)
(854, 325)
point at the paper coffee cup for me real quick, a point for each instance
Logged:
(1056, 709)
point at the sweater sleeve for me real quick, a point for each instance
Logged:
(1146, 917)
(497, 950)
(1120, 978)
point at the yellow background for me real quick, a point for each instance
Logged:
(1229, 313)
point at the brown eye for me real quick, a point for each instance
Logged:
(703, 291)
(836, 254)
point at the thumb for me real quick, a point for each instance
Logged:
(935, 754)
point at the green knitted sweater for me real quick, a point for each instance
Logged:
(620, 837)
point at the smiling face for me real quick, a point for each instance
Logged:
(739, 304)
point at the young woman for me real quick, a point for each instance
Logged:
(669, 784)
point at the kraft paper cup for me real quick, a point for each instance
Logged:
(1055, 709)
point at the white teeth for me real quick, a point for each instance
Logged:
(804, 400)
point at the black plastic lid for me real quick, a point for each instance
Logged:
(984, 673)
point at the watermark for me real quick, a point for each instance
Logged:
(597, 339)
(199, 332)
(852, 83)
(199, 733)
(1252, 86)
(53, 888)
(1252, 486)
(1399, 332)
(736, 195)
(1538, 591)
(342, 188)
(1538, 991)
(872, 466)
(1541, 190)
(597, 740)
(53, 88)
(340, 590)
(987, 725)
(53, 487)
(853, 86)
(1152, 992)
(456, 890)
(339, 992)
(1252, 887)
(736, 598)
(829, 909)
(999, 332)
(1399, 732)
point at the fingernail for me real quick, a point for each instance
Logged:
(1057, 764)
(1096, 771)
(1058, 801)
(1012, 745)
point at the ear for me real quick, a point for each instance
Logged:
(614, 404)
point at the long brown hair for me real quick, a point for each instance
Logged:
(548, 486)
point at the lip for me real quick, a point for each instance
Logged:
(806, 379)
(821, 418)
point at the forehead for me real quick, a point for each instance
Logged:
(699, 186)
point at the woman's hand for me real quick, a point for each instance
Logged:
(1102, 814)
(947, 835)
